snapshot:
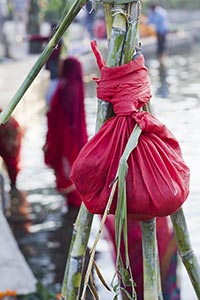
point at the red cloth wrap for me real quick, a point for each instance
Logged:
(157, 179)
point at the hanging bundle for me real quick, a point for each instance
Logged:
(157, 181)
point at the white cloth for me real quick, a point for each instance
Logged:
(15, 273)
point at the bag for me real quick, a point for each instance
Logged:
(158, 178)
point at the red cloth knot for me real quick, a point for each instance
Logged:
(126, 87)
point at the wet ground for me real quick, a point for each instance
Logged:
(45, 239)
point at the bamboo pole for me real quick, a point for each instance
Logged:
(185, 250)
(68, 287)
(74, 267)
(71, 10)
(108, 19)
(151, 266)
(150, 261)
(104, 111)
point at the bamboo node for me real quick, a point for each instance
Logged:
(119, 11)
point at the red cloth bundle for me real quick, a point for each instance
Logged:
(157, 179)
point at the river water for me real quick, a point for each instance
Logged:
(45, 239)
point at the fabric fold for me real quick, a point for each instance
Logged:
(158, 178)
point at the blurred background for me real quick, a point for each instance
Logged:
(25, 26)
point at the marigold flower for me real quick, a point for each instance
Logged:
(8, 293)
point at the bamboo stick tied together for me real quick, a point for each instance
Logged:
(116, 49)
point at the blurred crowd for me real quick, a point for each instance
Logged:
(21, 20)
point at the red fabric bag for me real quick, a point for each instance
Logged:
(157, 179)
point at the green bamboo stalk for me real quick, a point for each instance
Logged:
(115, 50)
(108, 19)
(72, 9)
(74, 267)
(132, 31)
(92, 252)
(150, 261)
(148, 269)
(117, 38)
(185, 249)
(151, 268)
(70, 290)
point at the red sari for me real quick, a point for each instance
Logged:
(67, 131)
(167, 255)
(10, 147)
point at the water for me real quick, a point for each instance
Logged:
(45, 239)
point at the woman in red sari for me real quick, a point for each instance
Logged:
(66, 133)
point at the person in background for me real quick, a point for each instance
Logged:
(99, 26)
(90, 18)
(52, 65)
(66, 127)
(11, 135)
(158, 17)
(167, 250)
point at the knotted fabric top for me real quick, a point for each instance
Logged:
(126, 87)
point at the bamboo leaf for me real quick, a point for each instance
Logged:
(121, 210)
(116, 287)
(101, 276)
(116, 47)
(93, 292)
(126, 277)
(92, 287)
(127, 294)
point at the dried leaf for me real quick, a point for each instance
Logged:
(128, 295)
(100, 276)
(93, 291)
